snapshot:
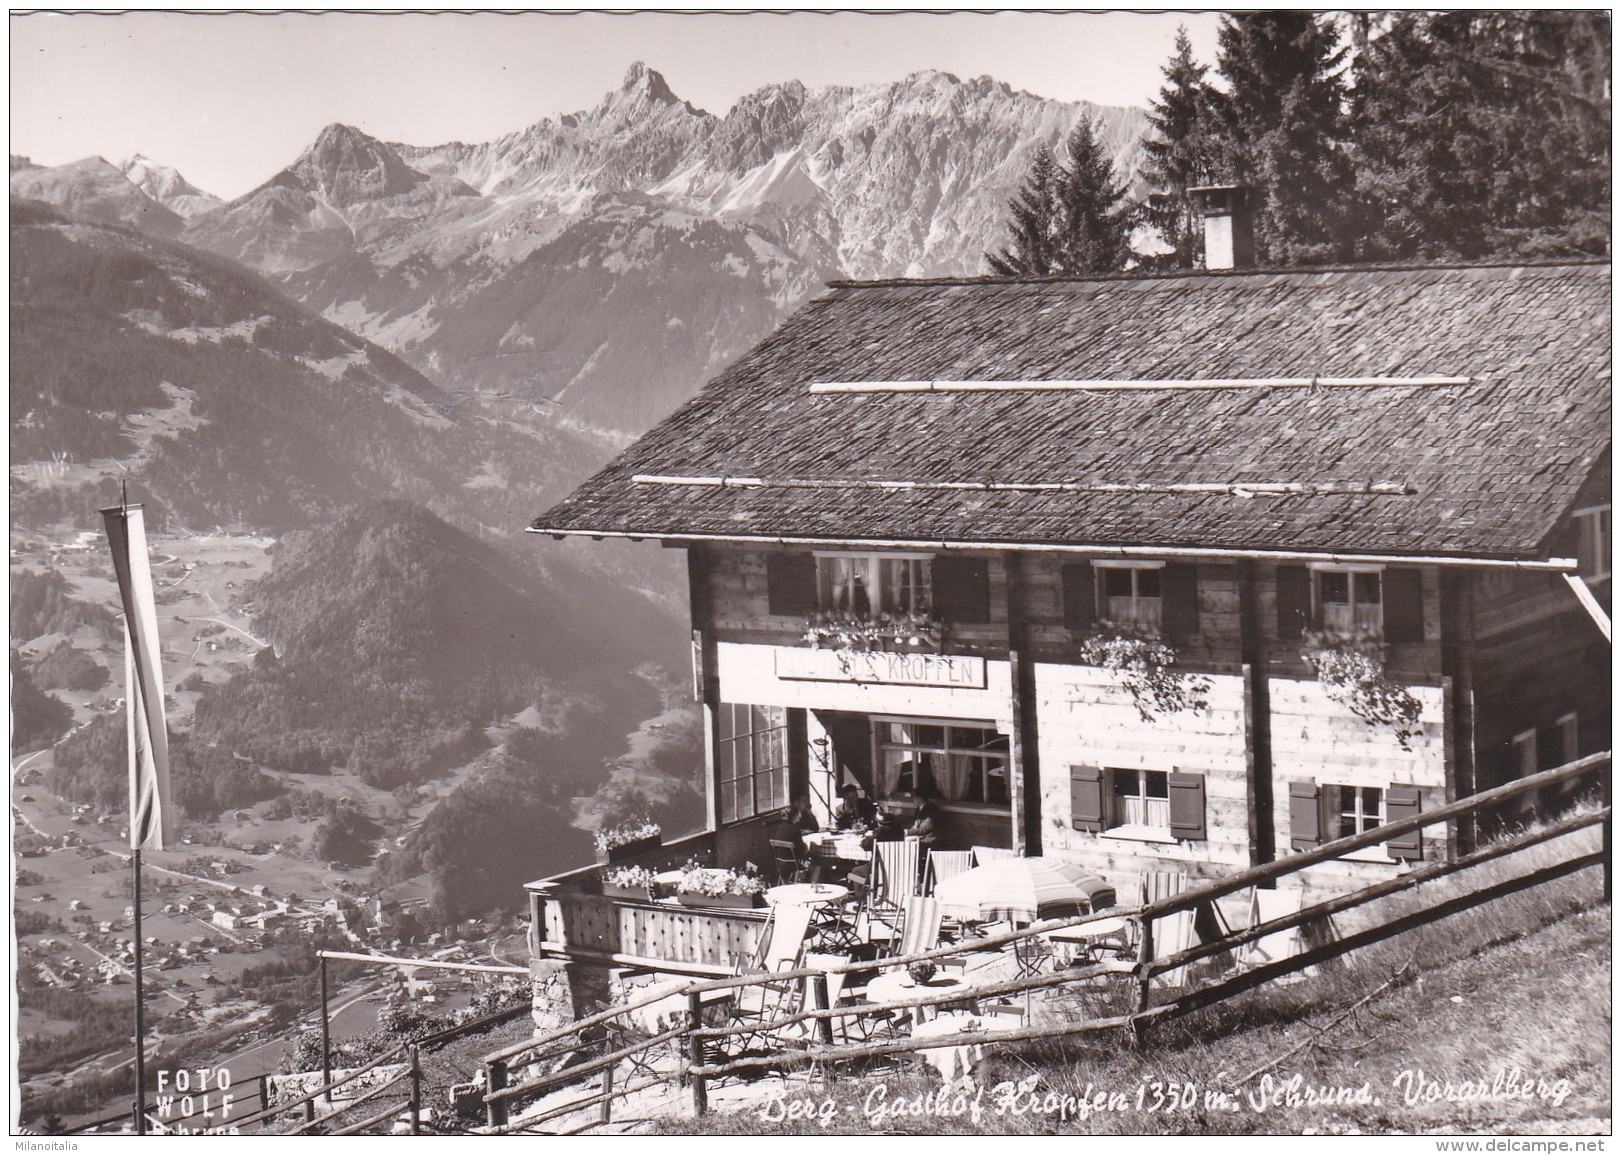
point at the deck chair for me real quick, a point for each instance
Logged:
(920, 925)
(1173, 933)
(782, 943)
(894, 877)
(1266, 905)
(944, 864)
(840, 996)
(984, 854)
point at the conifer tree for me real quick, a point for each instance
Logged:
(1283, 129)
(1180, 152)
(1485, 133)
(1093, 224)
(1032, 223)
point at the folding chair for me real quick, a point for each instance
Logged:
(894, 878)
(788, 866)
(1173, 933)
(944, 864)
(920, 925)
(840, 996)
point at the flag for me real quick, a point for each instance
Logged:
(152, 816)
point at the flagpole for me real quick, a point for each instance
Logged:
(140, 1010)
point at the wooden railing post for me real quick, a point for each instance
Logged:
(1145, 959)
(695, 1052)
(416, 1092)
(819, 1002)
(607, 1094)
(495, 1079)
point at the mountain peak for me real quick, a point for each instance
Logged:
(347, 166)
(642, 79)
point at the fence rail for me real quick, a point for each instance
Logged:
(695, 1040)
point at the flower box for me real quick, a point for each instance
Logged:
(722, 901)
(611, 890)
(629, 850)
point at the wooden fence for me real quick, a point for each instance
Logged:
(584, 1055)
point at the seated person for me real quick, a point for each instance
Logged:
(803, 817)
(922, 826)
(853, 810)
(893, 816)
(784, 829)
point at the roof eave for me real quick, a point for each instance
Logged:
(1472, 561)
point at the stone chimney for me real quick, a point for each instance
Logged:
(1229, 234)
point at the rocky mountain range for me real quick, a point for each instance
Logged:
(601, 265)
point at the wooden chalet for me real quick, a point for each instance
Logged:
(1237, 463)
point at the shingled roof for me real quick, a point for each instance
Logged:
(1482, 468)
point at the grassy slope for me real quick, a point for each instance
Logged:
(1521, 983)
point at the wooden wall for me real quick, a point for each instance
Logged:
(1526, 655)
(1316, 739)
(1087, 719)
(1538, 656)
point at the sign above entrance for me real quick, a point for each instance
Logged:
(964, 673)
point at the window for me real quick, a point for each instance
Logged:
(945, 761)
(1355, 809)
(1525, 753)
(1130, 593)
(1348, 600)
(1593, 542)
(1142, 804)
(752, 752)
(1385, 601)
(1141, 798)
(864, 584)
(1330, 811)
(1569, 747)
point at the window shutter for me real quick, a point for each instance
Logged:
(1086, 797)
(1402, 591)
(790, 580)
(1179, 600)
(1403, 802)
(962, 589)
(1294, 600)
(1080, 597)
(1305, 820)
(1187, 807)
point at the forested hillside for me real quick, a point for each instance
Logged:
(396, 638)
(229, 404)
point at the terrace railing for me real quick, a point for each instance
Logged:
(576, 1057)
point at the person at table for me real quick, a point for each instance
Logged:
(893, 816)
(787, 827)
(803, 817)
(922, 826)
(853, 810)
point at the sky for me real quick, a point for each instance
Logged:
(230, 99)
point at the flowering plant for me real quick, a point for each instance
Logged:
(630, 877)
(863, 633)
(1142, 663)
(715, 881)
(1351, 669)
(626, 833)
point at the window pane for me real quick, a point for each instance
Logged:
(1367, 589)
(929, 736)
(1117, 583)
(1335, 588)
(1157, 784)
(1147, 583)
